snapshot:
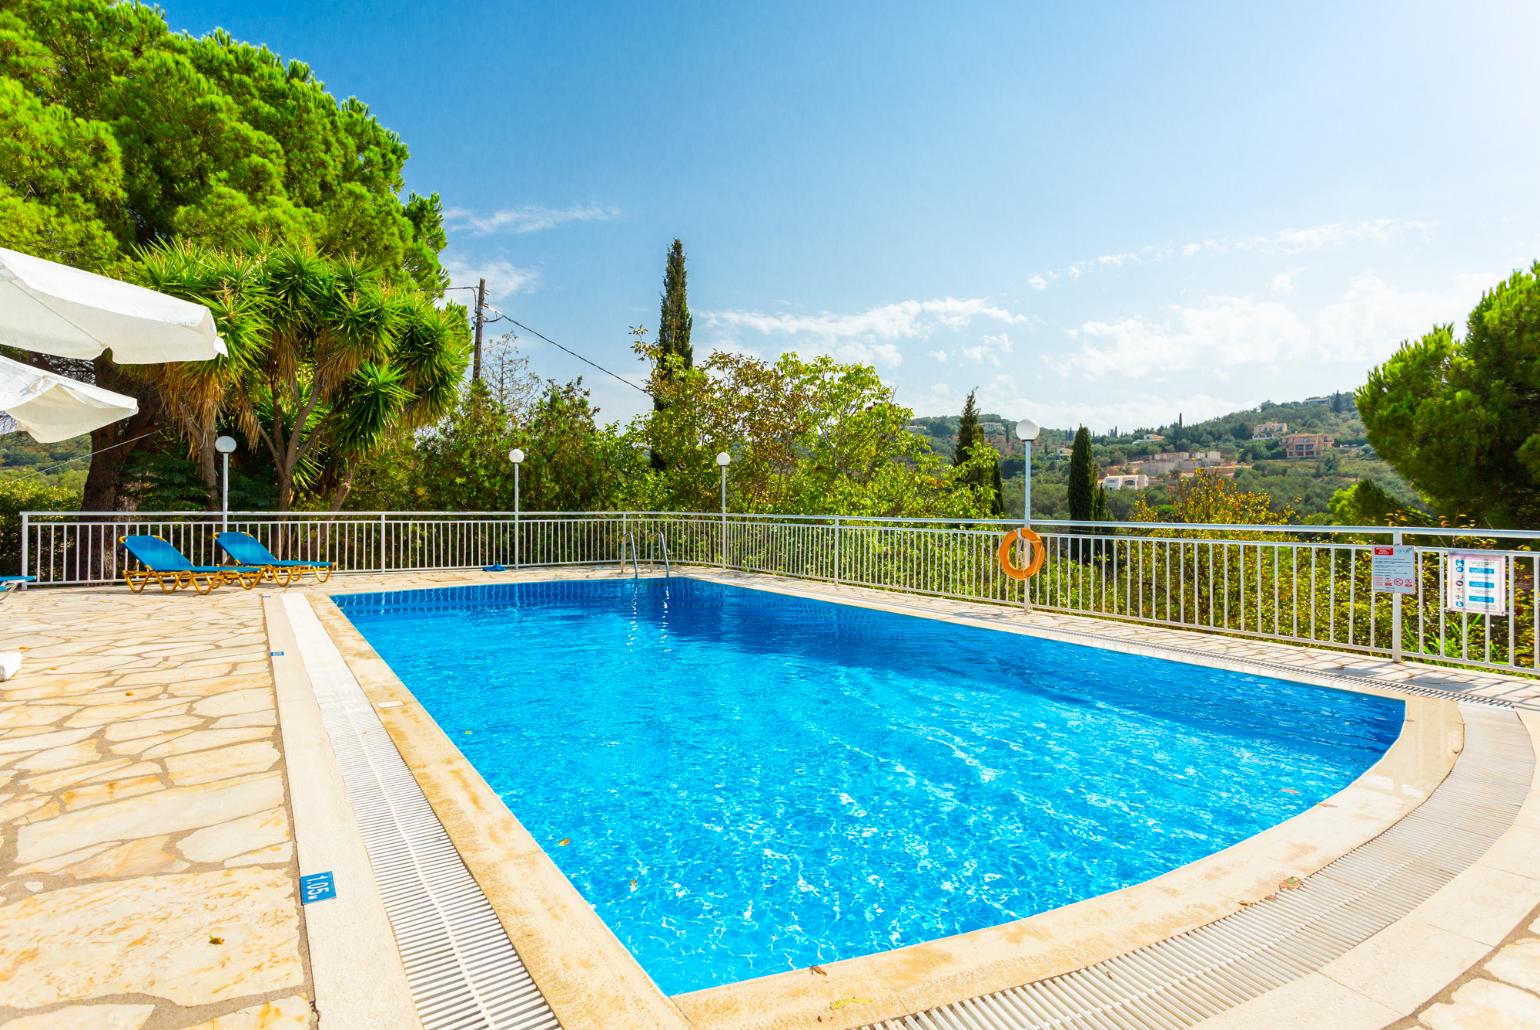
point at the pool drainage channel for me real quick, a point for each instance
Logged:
(460, 965)
(1186, 979)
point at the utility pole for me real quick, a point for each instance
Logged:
(481, 306)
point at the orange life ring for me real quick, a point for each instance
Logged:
(1038, 553)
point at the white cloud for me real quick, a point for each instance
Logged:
(867, 336)
(1282, 284)
(989, 349)
(1373, 317)
(1102, 413)
(1222, 334)
(531, 218)
(1222, 331)
(1285, 241)
(940, 356)
(504, 279)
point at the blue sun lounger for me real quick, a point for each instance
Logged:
(9, 583)
(248, 550)
(161, 563)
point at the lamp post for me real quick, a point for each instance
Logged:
(225, 445)
(517, 457)
(1026, 432)
(723, 460)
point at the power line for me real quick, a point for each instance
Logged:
(81, 457)
(503, 316)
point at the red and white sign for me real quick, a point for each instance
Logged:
(1393, 569)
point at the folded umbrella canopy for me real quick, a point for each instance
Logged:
(55, 309)
(52, 407)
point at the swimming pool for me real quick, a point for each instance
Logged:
(742, 782)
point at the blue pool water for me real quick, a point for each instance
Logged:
(749, 783)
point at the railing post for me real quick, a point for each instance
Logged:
(836, 549)
(25, 532)
(382, 541)
(1395, 608)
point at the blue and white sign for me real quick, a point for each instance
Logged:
(1476, 582)
(316, 887)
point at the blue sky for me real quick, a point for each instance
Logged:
(1104, 213)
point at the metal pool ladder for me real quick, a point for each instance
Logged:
(636, 570)
(663, 546)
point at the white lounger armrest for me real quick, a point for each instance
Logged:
(10, 664)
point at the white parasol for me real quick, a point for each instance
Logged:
(53, 407)
(55, 309)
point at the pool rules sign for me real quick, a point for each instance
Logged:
(1477, 582)
(1394, 569)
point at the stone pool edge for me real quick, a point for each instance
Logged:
(589, 978)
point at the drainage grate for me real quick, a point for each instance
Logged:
(1183, 980)
(462, 969)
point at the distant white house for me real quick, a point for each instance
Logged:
(1126, 481)
(1269, 430)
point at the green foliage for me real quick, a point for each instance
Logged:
(325, 361)
(27, 493)
(1082, 478)
(1460, 418)
(674, 321)
(977, 463)
(1207, 499)
(461, 464)
(806, 437)
(1365, 503)
(116, 131)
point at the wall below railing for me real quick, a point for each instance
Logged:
(1302, 584)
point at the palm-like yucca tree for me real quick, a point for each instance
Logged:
(324, 361)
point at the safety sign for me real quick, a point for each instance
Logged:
(1477, 582)
(1393, 569)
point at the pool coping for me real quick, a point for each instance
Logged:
(589, 978)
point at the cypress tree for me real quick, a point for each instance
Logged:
(1082, 478)
(674, 319)
(674, 324)
(968, 431)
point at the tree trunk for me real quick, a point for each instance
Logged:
(113, 445)
(208, 468)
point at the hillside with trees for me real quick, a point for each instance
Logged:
(1305, 486)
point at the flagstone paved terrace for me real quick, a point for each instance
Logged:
(148, 863)
(147, 872)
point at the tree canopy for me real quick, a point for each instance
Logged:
(325, 361)
(117, 133)
(806, 436)
(1460, 417)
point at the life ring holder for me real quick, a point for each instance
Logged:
(1009, 567)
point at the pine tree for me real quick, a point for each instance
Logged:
(1082, 478)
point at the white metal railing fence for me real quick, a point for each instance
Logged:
(1304, 584)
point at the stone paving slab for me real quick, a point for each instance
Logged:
(147, 874)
